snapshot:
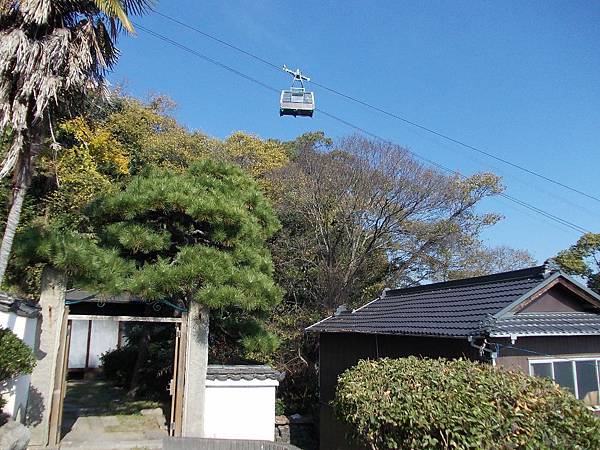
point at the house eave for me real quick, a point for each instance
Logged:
(389, 333)
(541, 334)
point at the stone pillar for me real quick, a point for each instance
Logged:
(46, 349)
(195, 371)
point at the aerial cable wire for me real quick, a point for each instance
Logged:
(524, 204)
(451, 171)
(388, 113)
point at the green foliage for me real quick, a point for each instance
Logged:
(117, 365)
(16, 358)
(76, 254)
(582, 259)
(156, 365)
(194, 235)
(438, 404)
(152, 138)
(323, 255)
(279, 407)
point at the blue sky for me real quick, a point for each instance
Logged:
(517, 79)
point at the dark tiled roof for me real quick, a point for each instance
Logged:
(546, 324)
(9, 303)
(243, 372)
(453, 309)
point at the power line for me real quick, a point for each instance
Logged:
(388, 113)
(448, 170)
(220, 41)
(170, 41)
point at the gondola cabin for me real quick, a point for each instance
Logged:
(297, 102)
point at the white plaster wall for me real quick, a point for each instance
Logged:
(105, 337)
(240, 409)
(78, 344)
(15, 392)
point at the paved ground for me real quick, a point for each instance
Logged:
(97, 415)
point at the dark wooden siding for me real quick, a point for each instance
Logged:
(557, 299)
(538, 347)
(340, 351)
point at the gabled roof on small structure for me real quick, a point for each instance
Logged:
(492, 305)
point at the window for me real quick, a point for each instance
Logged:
(580, 376)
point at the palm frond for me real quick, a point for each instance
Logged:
(53, 53)
(115, 8)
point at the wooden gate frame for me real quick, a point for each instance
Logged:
(61, 369)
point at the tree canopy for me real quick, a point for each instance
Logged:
(52, 55)
(357, 216)
(198, 235)
(583, 259)
(365, 214)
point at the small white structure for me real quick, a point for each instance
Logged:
(21, 318)
(240, 402)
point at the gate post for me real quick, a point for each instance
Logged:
(196, 363)
(47, 354)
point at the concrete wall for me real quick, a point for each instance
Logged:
(16, 391)
(243, 409)
(49, 352)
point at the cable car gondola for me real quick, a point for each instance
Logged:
(297, 101)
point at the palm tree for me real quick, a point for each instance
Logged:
(52, 54)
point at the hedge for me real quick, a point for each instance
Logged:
(414, 403)
(16, 358)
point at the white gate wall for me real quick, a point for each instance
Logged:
(240, 409)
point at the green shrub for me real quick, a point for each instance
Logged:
(117, 365)
(156, 361)
(16, 358)
(413, 403)
(279, 407)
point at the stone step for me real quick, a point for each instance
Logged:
(152, 444)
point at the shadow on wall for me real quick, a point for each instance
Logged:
(35, 408)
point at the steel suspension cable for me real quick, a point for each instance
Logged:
(388, 113)
(522, 203)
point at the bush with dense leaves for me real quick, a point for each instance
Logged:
(16, 358)
(413, 403)
(149, 350)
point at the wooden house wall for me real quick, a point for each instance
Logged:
(340, 351)
(557, 299)
(528, 348)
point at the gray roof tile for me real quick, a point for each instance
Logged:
(243, 372)
(10, 303)
(457, 309)
(547, 324)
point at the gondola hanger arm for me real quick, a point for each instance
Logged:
(297, 74)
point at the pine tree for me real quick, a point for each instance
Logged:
(193, 236)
